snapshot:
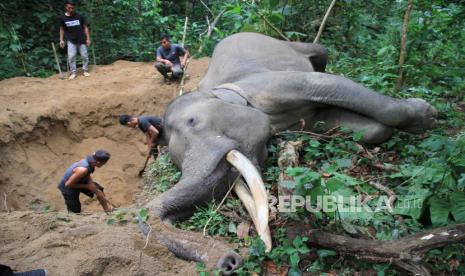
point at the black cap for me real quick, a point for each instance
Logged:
(101, 156)
(124, 119)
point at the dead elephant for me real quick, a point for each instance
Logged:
(256, 85)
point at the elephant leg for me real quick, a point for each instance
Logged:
(307, 88)
(374, 132)
(316, 53)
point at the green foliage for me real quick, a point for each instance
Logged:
(164, 174)
(218, 225)
(436, 177)
(284, 253)
(124, 215)
(120, 216)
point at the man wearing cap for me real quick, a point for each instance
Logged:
(151, 126)
(77, 180)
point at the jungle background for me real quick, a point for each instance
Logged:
(364, 43)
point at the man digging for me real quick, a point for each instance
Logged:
(77, 180)
(152, 127)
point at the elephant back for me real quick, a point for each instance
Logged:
(241, 55)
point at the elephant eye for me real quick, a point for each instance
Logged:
(191, 122)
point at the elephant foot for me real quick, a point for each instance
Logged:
(421, 116)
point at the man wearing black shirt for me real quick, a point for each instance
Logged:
(74, 27)
(150, 125)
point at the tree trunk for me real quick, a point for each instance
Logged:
(406, 252)
(403, 45)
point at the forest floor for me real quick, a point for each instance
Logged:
(46, 125)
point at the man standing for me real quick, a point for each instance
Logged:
(150, 125)
(168, 58)
(77, 180)
(74, 27)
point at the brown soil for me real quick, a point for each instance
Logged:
(46, 125)
(82, 245)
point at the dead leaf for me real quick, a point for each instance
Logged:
(453, 264)
(243, 230)
(272, 269)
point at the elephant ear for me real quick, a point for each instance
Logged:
(230, 93)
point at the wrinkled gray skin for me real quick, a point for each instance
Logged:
(256, 85)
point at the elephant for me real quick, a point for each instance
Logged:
(256, 86)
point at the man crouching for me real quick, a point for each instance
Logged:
(77, 180)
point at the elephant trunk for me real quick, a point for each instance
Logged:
(193, 246)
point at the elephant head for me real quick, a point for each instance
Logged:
(212, 152)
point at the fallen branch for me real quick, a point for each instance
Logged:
(406, 252)
(313, 134)
(210, 28)
(389, 192)
(383, 167)
(323, 23)
(273, 27)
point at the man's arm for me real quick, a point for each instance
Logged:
(102, 200)
(62, 37)
(73, 181)
(151, 135)
(86, 31)
(91, 186)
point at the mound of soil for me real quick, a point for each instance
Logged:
(82, 245)
(47, 124)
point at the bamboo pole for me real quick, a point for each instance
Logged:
(181, 90)
(56, 59)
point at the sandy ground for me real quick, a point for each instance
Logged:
(46, 125)
(82, 245)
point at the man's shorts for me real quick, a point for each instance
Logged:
(71, 197)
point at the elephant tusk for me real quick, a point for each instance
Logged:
(257, 191)
(244, 195)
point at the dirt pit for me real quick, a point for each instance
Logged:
(46, 125)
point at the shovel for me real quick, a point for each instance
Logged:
(153, 152)
(141, 172)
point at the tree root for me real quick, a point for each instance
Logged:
(406, 253)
